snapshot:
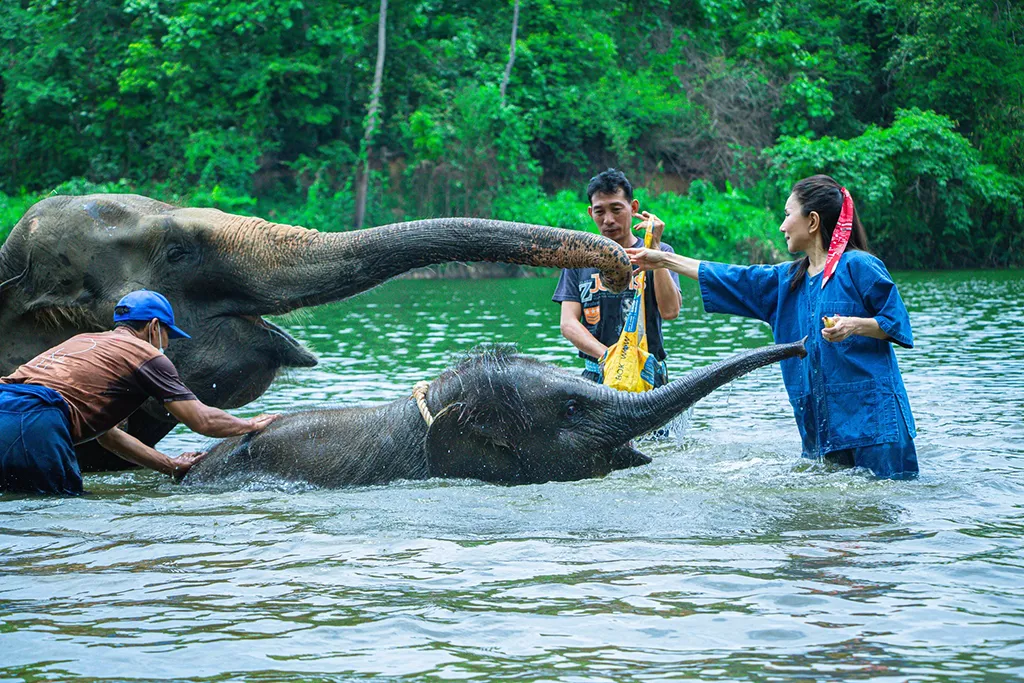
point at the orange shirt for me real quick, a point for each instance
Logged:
(103, 377)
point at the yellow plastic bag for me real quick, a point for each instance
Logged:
(628, 366)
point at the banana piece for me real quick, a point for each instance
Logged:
(829, 322)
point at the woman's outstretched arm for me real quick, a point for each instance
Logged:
(650, 259)
(750, 291)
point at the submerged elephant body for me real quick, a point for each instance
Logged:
(70, 259)
(497, 417)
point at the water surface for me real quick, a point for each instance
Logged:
(728, 558)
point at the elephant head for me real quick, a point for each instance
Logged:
(70, 259)
(507, 419)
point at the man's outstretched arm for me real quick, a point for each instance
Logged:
(126, 446)
(210, 421)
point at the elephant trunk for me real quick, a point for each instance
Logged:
(288, 267)
(652, 409)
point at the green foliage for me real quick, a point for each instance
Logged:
(222, 157)
(964, 58)
(717, 226)
(468, 153)
(564, 209)
(258, 106)
(922, 192)
(325, 209)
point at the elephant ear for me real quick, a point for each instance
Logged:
(458, 449)
(10, 275)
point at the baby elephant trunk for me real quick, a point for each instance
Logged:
(655, 408)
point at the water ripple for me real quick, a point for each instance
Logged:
(728, 558)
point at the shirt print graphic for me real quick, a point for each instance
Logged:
(593, 290)
(57, 356)
(594, 286)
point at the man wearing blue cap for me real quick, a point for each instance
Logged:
(83, 388)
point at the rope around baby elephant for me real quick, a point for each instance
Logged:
(419, 392)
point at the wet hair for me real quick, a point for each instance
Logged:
(609, 182)
(492, 357)
(822, 194)
(496, 401)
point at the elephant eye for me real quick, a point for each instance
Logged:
(571, 408)
(176, 253)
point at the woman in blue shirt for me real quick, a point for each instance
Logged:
(848, 396)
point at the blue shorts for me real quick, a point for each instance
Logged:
(37, 454)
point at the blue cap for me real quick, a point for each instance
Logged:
(144, 305)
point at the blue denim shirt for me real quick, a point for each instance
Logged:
(846, 394)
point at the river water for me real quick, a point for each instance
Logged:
(728, 558)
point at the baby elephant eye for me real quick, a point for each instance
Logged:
(570, 408)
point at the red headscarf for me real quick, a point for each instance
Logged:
(840, 236)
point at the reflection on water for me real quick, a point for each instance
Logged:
(726, 559)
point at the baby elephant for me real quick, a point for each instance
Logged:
(497, 416)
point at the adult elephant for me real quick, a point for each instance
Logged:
(70, 259)
(497, 417)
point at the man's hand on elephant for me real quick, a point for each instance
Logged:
(647, 259)
(657, 226)
(262, 421)
(184, 462)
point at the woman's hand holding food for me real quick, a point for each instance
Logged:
(837, 328)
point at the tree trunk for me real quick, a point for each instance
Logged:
(511, 52)
(363, 179)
